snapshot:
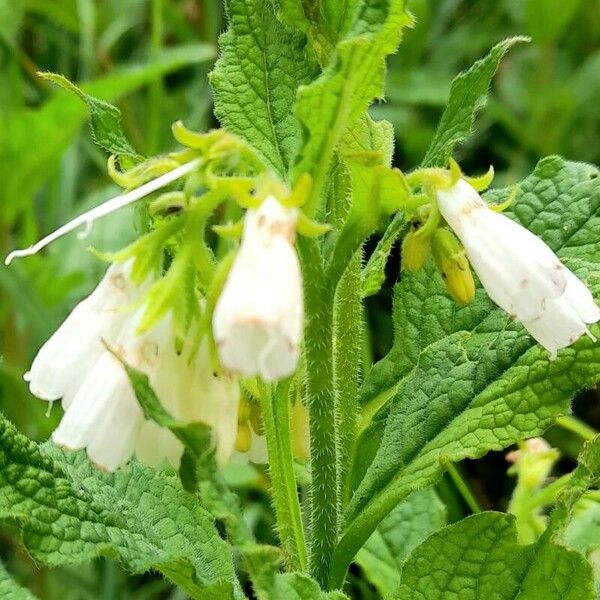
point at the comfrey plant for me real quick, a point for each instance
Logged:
(233, 330)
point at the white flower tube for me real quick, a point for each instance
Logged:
(103, 415)
(258, 320)
(64, 360)
(192, 392)
(520, 273)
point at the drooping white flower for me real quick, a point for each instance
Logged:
(102, 413)
(258, 320)
(64, 360)
(201, 395)
(520, 273)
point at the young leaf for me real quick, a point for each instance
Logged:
(69, 513)
(479, 558)
(398, 534)
(261, 65)
(467, 96)
(463, 381)
(269, 584)
(352, 79)
(105, 121)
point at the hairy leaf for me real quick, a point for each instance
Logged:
(261, 65)
(463, 381)
(69, 512)
(479, 558)
(403, 529)
(105, 121)
(467, 96)
(351, 80)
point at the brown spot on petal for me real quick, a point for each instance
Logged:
(524, 282)
(118, 281)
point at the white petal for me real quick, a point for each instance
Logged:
(258, 319)
(64, 360)
(104, 416)
(581, 299)
(518, 270)
(156, 444)
(213, 399)
(558, 327)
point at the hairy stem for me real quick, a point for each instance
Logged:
(318, 347)
(275, 408)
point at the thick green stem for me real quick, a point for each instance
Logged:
(275, 408)
(318, 347)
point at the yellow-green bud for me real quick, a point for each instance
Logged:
(453, 264)
(243, 440)
(415, 250)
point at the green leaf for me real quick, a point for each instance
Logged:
(269, 584)
(10, 589)
(583, 532)
(69, 513)
(461, 381)
(479, 558)
(340, 96)
(398, 534)
(373, 273)
(105, 121)
(467, 96)
(261, 65)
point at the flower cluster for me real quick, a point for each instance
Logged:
(102, 414)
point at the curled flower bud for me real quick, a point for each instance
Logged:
(520, 273)
(257, 323)
(450, 259)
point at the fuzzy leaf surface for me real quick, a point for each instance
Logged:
(479, 558)
(398, 534)
(463, 381)
(261, 65)
(69, 513)
(351, 80)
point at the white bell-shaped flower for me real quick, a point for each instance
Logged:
(519, 272)
(65, 359)
(258, 319)
(104, 416)
(201, 396)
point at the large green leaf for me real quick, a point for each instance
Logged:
(479, 558)
(69, 512)
(467, 96)
(398, 534)
(463, 381)
(261, 65)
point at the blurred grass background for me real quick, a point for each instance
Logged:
(151, 58)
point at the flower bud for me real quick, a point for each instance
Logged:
(415, 250)
(453, 265)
